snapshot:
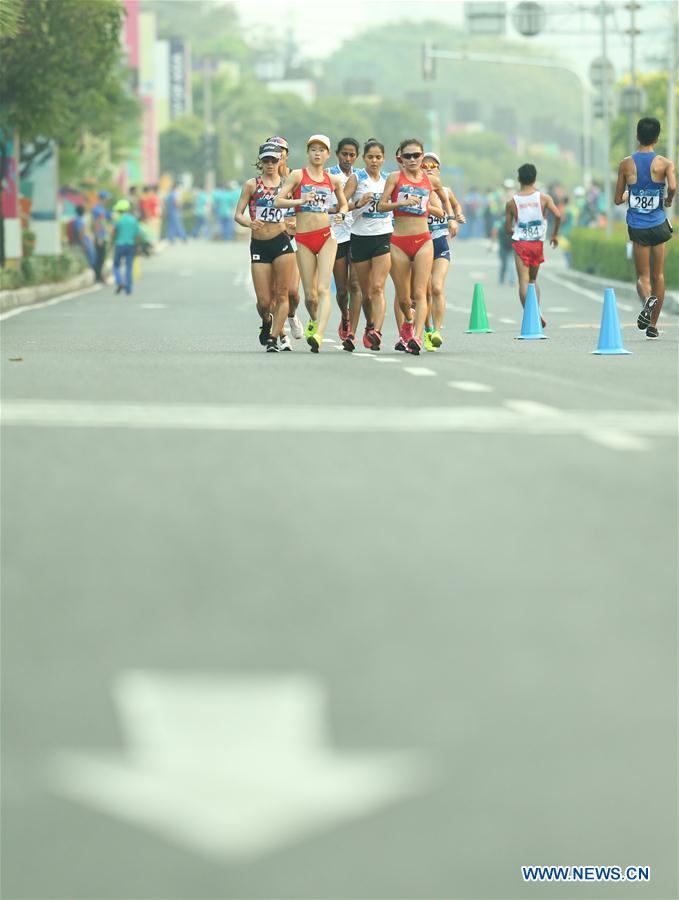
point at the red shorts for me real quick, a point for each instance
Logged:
(313, 240)
(529, 252)
(411, 243)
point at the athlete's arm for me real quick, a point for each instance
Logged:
(509, 217)
(457, 207)
(384, 204)
(350, 190)
(443, 194)
(342, 205)
(243, 201)
(435, 210)
(671, 176)
(620, 185)
(548, 203)
(283, 200)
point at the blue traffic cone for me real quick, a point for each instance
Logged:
(610, 337)
(531, 325)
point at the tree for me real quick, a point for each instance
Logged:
(180, 148)
(655, 85)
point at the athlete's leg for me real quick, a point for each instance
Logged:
(281, 277)
(658, 260)
(306, 260)
(421, 274)
(326, 261)
(400, 275)
(533, 279)
(340, 273)
(379, 269)
(356, 298)
(293, 287)
(523, 275)
(439, 273)
(361, 270)
(642, 262)
(261, 279)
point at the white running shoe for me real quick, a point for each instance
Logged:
(285, 342)
(295, 327)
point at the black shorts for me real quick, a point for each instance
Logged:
(342, 250)
(368, 246)
(267, 251)
(650, 237)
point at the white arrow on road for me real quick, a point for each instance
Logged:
(232, 767)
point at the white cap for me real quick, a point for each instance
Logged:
(508, 183)
(319, 139)
(432, 156)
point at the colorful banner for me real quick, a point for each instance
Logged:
(180, 102)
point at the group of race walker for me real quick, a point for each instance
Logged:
(359, 225)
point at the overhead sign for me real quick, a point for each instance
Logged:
(179, 105)
(598, 67)
(529, 18)
(485, 17)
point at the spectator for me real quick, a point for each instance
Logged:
(175, 222)
(126, 237)
(101, 222)
(78, 236)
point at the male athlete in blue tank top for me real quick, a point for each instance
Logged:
(647, 182)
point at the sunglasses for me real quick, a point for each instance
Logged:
(427, 167)
(411, 155)
(269, 159)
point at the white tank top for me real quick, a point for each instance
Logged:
(341, 232)
(530, 224)
(366, 219)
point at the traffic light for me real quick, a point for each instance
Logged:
(428, 61)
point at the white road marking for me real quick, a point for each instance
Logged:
(478, 276)
(576, 288)
(471, 387)
(390, 359)
(329, 341)
(53, 302)
(232, 767)
(557, 309)
(522, 417)
(153, 306)
(508, 321)
(417, 372)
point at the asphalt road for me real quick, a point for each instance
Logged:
(334, 626)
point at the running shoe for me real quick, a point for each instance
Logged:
(400, 344)
(285, 343)
(406, 331)
(414, 346)
(644, 319)
(376, 338)
(652, 332)
(367, 343)
(296, 329)
(310, 329)
(436, 339)
(271, 345)
(349, 343)
(314, 342)
(265, 330)
(344, 329)
(544, 324)
(427, 344)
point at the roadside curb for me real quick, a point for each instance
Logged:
(29, 295)
(623, 289)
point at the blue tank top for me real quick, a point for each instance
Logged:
(645, 203)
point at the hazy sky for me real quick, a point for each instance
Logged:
(340, 20)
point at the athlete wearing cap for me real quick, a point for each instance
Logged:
(294, 322)
(438, 226)
(310, 191)
(347, 288)
(270, 250)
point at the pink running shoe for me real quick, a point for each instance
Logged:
(367, 343)
(406, 331)
(414, 346)
(344, 329)
(376, 338)
(400, 344)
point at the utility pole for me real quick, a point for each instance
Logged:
(672, 87)
(607, 121)
(208, 129)
(632, 31)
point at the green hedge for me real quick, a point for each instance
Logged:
(594, 253)
(33, 270)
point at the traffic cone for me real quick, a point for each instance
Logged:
(610, 337)
(531, 325)
(478, 320)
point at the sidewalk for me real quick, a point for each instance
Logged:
(40, 292)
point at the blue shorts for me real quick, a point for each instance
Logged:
(442, 248)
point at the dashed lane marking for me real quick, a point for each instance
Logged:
(417, 372)
(153, 306)
(471, 387)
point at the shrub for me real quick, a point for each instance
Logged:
(33, 270)
(596, 254)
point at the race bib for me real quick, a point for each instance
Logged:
(322, 201)
(644, 201)
(435, 221)
(268, 214)
(531, 231)
(370, 209)
(405, 193)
